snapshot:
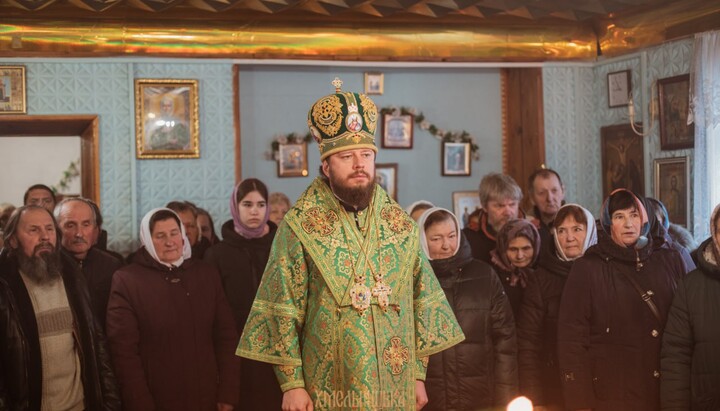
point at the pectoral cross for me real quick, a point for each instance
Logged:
(382, 291)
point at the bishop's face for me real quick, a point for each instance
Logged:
(352, 175)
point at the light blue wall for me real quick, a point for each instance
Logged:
(276, 99)
(575, 100)
(130, 187)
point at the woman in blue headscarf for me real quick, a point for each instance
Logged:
(613, 311)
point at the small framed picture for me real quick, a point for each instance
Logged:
(465, 203)
(386, 177)
(397, 131)
(13, 99)
(622, 159)
(166, 118)
(292, 160)
(455, 159)
(374, 83)
(672, 188)
(619, 88)
(674, 101)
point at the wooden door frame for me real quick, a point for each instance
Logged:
(87, 127)
(523, 122)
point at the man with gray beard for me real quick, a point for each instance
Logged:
(52, 351)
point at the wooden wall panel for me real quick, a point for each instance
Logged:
(524, 129)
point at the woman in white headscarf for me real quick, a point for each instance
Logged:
(170, 330)
(416, 209)
(572, 233)
(480, 372)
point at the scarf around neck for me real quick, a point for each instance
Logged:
(510, 231)
(238, 225)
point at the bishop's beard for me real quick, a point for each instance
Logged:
(42, 269)
(358, 196)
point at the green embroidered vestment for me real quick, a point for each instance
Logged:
(303, 319)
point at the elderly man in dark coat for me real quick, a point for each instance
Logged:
(691, 345)
(52, 352)
(77, 222)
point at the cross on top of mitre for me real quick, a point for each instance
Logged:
(337, 83)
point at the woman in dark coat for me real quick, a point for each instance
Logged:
(518, 248)
(691, 344)
(170, 329)
(241, 257)
(608, 333)
(572, 234)
(660, 227)
(480, 373)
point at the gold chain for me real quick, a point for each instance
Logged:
(360, 293)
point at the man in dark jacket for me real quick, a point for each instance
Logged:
(690, 360)
(500, 198)
(52, 352)
(77, 222)
(547, 194)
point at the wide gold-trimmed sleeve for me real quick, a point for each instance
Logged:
(289, 377)
(421, 364)
(274, 326)
(436, 328)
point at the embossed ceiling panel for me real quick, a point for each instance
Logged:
(367, 30)
(575, 10)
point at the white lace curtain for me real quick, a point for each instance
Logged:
(705, 96)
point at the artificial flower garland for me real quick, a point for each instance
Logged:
(72, 172)
(419, 118)
(440, 134)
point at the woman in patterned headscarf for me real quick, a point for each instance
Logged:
(612, 313)
(169, 327)
(518, 248)
(690, 363)
(241, 257)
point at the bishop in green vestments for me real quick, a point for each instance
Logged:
(348, 309)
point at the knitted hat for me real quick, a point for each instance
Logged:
(343, 121)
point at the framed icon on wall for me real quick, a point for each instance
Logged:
(166, 118)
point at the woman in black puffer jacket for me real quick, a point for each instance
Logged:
(690, 358)
(572, 233)
(241, 257)
(608, 333)
(480, 373)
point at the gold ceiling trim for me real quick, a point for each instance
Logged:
(349, 39)
(409, 43)
(628, 33)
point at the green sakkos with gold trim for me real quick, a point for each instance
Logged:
(305, 321)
